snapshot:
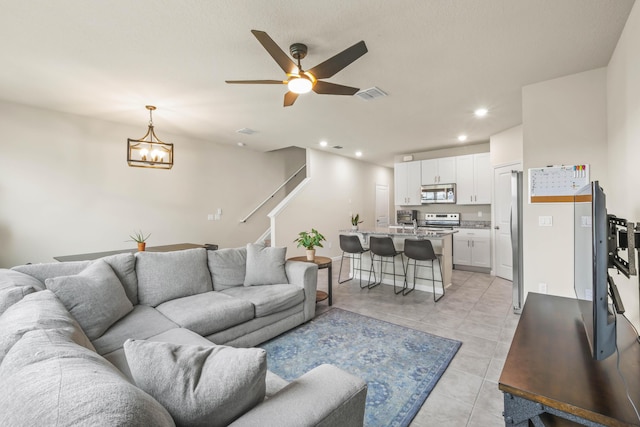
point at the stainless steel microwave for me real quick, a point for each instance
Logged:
(440, 193)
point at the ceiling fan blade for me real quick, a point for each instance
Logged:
(326, 88)
(256, 82)
(290, 98)
(283, 60)
(336, 63)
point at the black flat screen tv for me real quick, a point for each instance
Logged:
(591, 277)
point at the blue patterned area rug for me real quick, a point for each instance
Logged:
(400, 365)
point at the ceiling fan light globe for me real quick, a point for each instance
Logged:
(300, 85)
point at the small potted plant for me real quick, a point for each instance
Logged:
(355, 220)
(139, 238)
(310, 240)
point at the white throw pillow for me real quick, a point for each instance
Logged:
(199, 385)
(265, 265)
(94, 297)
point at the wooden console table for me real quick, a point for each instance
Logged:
(96, 255)
(549, 375)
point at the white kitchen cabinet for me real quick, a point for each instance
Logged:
(472, 247)
(473, 179)
(438, 171)
(407, 177)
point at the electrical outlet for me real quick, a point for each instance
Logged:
(542, 288)
(545, 221)
(217, 217)
(210, 217)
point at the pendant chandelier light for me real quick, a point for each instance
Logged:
(149, 151)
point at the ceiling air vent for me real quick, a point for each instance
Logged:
(371, 94)
(246, 131)
(338, 147)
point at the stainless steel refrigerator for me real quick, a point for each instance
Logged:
(516, 239)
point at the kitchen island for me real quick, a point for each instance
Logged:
(441, 240)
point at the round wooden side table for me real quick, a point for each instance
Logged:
(321, 262)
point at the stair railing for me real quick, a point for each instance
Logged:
(273, 194)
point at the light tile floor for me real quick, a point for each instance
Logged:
(475, 310)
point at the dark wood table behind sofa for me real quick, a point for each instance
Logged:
(549, 371)
(96, 255)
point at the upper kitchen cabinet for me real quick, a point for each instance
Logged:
(473, 179)
(439, 171)
(407, 183)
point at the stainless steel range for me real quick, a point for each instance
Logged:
(442, 220)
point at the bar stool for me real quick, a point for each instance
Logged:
(353, 249)
(383, 248)
(421, 250)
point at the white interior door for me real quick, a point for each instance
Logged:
(502, 213)
(382, 206)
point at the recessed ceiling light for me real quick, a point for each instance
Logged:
(323, 143)
(481, 112)
(358, 153)
(240, 144)
(462, 138)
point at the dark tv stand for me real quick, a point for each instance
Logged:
(549, 377)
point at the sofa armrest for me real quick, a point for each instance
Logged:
(324, 396)
(304, 274)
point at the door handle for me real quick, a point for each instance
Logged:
(497, 227)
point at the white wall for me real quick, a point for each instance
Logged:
(623, 96)
(507, 147)
(66, 188)
(564, 122)
(339, 187)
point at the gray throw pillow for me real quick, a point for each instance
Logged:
(265, 265)
(49, 380)
(227, 267)
(94, 297)
(199, 385)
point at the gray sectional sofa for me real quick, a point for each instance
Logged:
(163, 339)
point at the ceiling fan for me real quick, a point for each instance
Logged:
(300, 81)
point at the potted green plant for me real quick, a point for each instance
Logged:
(310, 240)
(355, 220)
(139, 238)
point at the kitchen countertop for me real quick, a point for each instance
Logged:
(396, 231)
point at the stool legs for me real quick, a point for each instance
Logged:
(392, 261)
(352, 258)
(433, 279)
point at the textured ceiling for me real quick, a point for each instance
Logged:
(437, 59)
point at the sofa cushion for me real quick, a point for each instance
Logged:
(143, 322)
(39, 310)
(52, 269)
(163, 276)
(207, 313)
(265, 265)
(94, 297)
(55, 382)
(124, 265)
(227, 267)
(199, 385)
(14, 286)
(269, 299)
